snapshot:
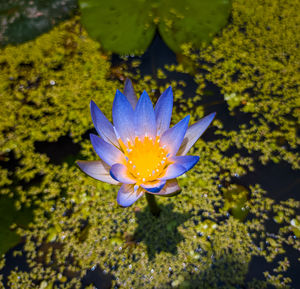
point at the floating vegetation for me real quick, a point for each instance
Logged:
(199, 240)
(178, 22)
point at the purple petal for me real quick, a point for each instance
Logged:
(129, 93)
(107, 152)
(163, 110)
(154, 187)
(98, 170)
(102, 125)
(144, 117)
(127, 195)
(173, 171)
(194, 132)
(122, 114)
(186, 161)
(120, 173)
(170, 187)
(172, 138)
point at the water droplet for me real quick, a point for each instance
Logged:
(52, 82)
(93, 268)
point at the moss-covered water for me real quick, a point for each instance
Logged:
(235, 223)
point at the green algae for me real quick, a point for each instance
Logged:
(45, 89)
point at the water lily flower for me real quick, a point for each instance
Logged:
(140, 151)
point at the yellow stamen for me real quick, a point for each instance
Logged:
(146, 158)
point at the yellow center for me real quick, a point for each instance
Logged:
(145, 159)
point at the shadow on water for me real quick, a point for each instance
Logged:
(63, 150)
(160, 234)
(226, 272)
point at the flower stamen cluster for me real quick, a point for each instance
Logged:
(146, 159)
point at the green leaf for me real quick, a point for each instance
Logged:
(120, 26)
(194, 22)
(126, 27)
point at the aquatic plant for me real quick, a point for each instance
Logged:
(141, 151)
(178, 22)
(198, 241)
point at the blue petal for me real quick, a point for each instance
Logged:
(170, 188)
(144, 117)
(172, 138)
(127, 195)
(120, 173)
(97, 170)
(129, 93)
(163, 111)
(194, 132)
(186, 161)
(107, 152)
(122, 114)
(173, 171)
(102, 125)
(155, 187)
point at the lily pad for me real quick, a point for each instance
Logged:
(120, 26)
(126, 27)
(194, 22)
(24, 20)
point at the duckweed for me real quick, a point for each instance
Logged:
(197, 242)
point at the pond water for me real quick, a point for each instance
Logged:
(235, 223)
